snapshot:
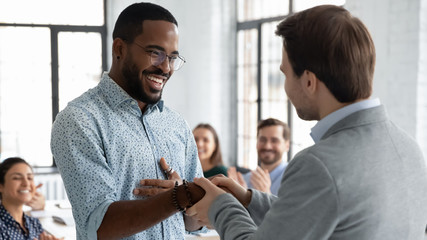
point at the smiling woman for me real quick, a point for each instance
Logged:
(16, 189)
(209, 150)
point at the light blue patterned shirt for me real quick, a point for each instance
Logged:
(104, 145)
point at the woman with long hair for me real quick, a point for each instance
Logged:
(209, 150)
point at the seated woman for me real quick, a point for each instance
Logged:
(16, 189)
(209, 150)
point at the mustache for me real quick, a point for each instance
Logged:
(272, 151)
(157, 72)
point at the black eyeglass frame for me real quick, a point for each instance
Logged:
(157, 54)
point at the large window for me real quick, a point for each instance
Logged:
(48, 56)
(260, 84)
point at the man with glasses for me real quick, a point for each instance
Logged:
(108, 139)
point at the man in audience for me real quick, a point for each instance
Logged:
(273, 138)
(108, 139)
(364, 178)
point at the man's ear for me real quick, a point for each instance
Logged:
(310, 82)
(119, 48)
(287, 145)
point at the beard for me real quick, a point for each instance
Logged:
(269, 161)
(135, 84)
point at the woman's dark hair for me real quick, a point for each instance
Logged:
(216, 158)
(336, 46)
(129, 22)
(8, 164)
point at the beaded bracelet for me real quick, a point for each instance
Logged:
(174, 199)
(187, 191)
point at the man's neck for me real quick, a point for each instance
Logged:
(271, 167)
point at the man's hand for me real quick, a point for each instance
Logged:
(38, 202)
(199, 211)
(229, 185)
(236, 176)
(152, 187)
(260, 180)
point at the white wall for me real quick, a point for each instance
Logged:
(421, 133)
(400, 36)
(203, 90)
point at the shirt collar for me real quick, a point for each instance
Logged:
(115, 95)
(324, 124)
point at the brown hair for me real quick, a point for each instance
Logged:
(275, 122)
(337, 47)
(216, 158)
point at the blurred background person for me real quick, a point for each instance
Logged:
(16, 189)
(209, 150)
(273, 138)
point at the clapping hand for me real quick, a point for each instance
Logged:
(260, 180)
(38, 201)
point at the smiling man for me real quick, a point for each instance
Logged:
(273, 138)
(108, 139)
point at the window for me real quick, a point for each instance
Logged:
(260, 84)
(47, 57)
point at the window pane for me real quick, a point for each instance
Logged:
(300, 5)
(76, 12)
(25, 94)
(258, 9)
(247, 97)
(273, 96)
(78, 73)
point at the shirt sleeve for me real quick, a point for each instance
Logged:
(77, 148)
(306, 207)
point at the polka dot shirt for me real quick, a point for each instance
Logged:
(10, 229)
(104, 145)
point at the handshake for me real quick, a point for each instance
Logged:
(193, 198)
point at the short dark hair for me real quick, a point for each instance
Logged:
(129, 22)
(7, 164)
(216, 158)
(336, 46)
(275, 122)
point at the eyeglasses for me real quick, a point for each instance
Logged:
(158, 57)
